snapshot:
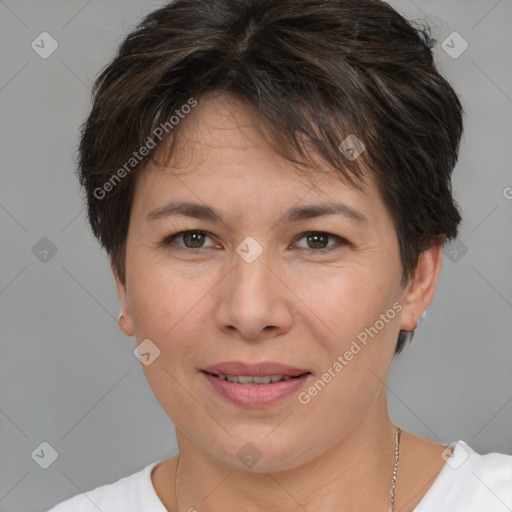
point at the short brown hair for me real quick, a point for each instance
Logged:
(314, 72)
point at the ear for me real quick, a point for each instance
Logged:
(421, 287)
(125, 321)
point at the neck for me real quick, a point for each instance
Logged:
(354, 474)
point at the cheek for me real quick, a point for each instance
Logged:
(170, 307)
(347, 301)
(161, 296)
(356, 336)
(167, 310)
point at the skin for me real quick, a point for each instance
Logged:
(296, 303)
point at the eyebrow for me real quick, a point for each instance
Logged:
(295, 214)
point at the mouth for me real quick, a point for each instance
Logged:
(255, 380)
(258, 390)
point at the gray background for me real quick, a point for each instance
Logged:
(69, 377)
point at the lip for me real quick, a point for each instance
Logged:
(255, 395)
(255, 370)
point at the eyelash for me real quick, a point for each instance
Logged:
(166, 242)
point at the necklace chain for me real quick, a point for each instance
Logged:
(391, 491)
(395, 471)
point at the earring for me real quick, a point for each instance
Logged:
(421, 318)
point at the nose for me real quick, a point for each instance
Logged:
(254, 302)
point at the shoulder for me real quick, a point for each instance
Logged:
(130, 493)
(470, 481)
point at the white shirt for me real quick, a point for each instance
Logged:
(468, 482)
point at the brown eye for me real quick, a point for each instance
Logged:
(190, 240)
(317, 240)
(193, 239)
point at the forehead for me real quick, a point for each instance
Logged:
(220, 155)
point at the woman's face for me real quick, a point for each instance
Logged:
(270, 282)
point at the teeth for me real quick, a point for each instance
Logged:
(249, 380)
(245, 379)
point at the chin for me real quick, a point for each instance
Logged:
(255, 451)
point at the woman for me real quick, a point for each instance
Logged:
(271, 181)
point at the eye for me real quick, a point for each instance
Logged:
(191, 239)
(318, 240)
